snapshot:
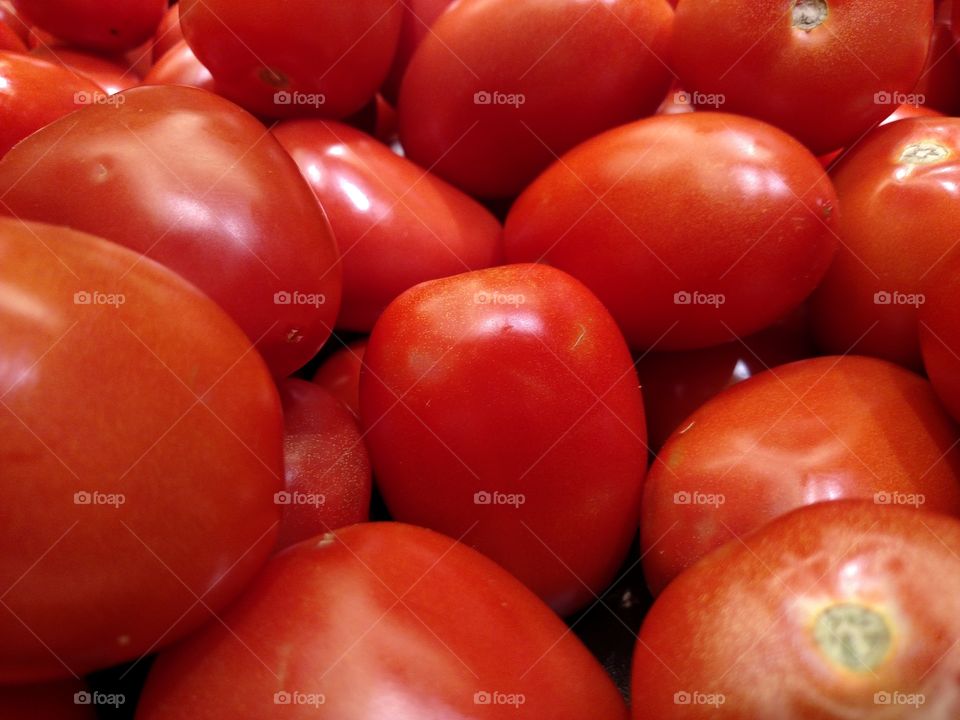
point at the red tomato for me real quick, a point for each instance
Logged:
(939, 86)
(241, 224)
(50, 701)
(9, 16)
(814, 430)
(140, 448)
(487, 106)
(168, 34)
(34, 93)
(898, 190)
(677, 383)
(382, 620)
(836, 611)
(298, 57)
(103, 25)
(823, 70)
(940, 333)
(179, 66)
(396, 225)
(327, 470)
(692, 229)
(109, 75)
(418, 16)
(9, 40)
(486, 398)
(901, 113)
(340, 375)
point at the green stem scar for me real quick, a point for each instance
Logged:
(853, 636)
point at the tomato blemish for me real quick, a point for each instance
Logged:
(853, 636)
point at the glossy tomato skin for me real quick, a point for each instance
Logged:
(9, 40)
(938, 88)
(898, 189)
(396, 224)
(810, 431)
(110, 75)
(488, 106)
(510, 379)
(46, 701)
(34, 93)
(168, 32)
(242, 224)
(328, 480)
(328, 57)
(9, 16)
(940, 332)
(140, 448)
(710, 226)
(340, 375)
(759, 63)
(838, 610)
(383, 620)
(179, 66)
(418, 17)
(108, 25)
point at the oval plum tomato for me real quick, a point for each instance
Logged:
(241, 224)
(168, 33)
(48, 701)
(499, 88)
(110, 75)
(836, 611)
(418, 16)
(179, 66)
(677, 383)
(104, 25)
(34, 93)
(823, 70)
(485, 397)
(692, 229)
(898, 191)
(396, 224)
(814, 430)
(298, 57)
(383, 620)
(140, 449)
(940, 333)
(340, 375)
(328, 482)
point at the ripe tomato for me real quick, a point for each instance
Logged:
(487, 105)
(179, 66)
(34, 93)
(104, 25)
(938, 88)
(898, 190)
(692, 229)
(940, 333)
(49, 701)
(168, 33)
(486, 398)
(140, 448)
(340, 375)
(198, 184)
(418, 16)
(814, 430)
(382, 620)
(836, 611)
(9, 16)
(327, 470)
(298, 57)
(9, 40)
(396, 225)
(109, 75)
(823, 70)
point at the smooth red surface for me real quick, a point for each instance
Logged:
(384, 621)
(9, 16)
(201, 186)
(179, 66)
(510, 380)
(328, 481)
(396, 225)
(168, 33)
(897, 223)
(418, 17)
(689, 206)
(340, 375)
(110, 75)
(10, 41)
(47, 701)
(811, 431)
(580, 67)
(940, 80)
(108, 25)
(743, 623)
(158, 398)
(338, 52)
(940, 332)
(823, 85)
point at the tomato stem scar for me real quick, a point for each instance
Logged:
(853, 636)
(808, 14)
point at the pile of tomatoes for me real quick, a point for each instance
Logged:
(432, 359)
